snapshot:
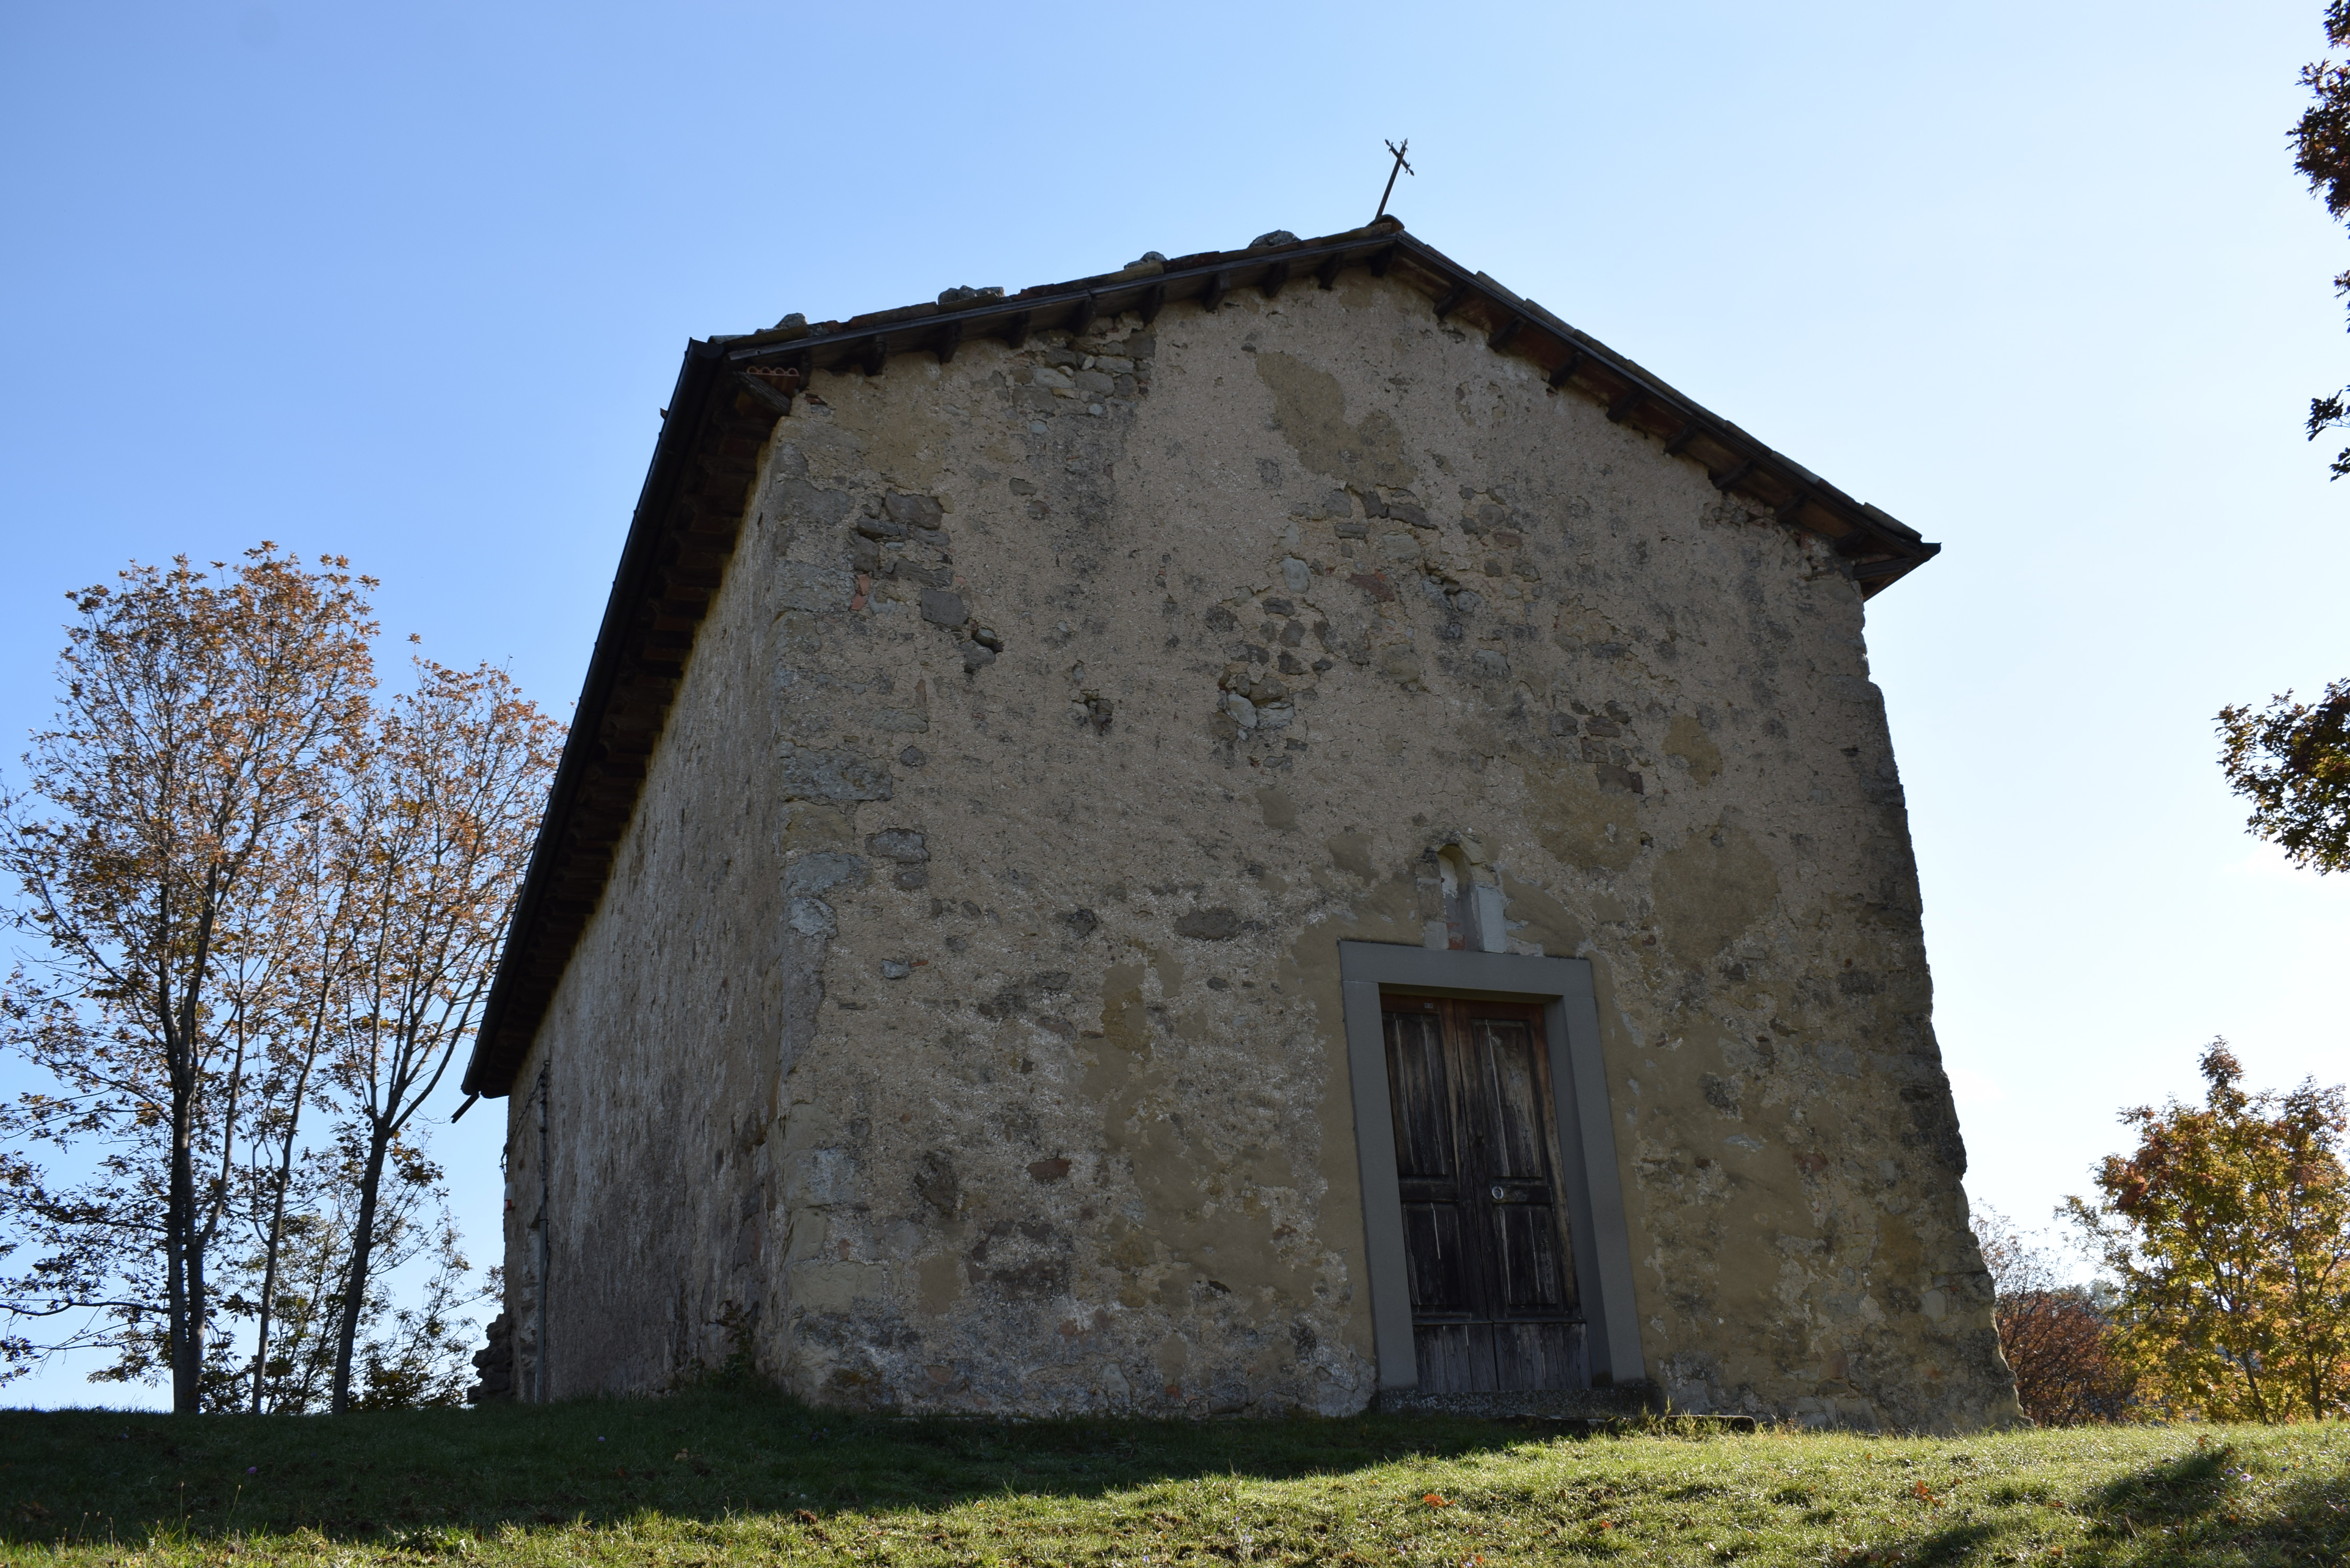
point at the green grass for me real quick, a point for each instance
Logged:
(724, 1475)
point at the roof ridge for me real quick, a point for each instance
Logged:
(731, 392)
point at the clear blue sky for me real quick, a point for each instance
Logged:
(411, 282)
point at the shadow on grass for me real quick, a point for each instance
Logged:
(2207, 1506)
(705, 1454)
(1959, 1544)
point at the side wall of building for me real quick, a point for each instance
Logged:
(961, 1028)
(638, 1248)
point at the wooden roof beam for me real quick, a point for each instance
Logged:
(772, 388)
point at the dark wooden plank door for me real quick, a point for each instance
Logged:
(1493, 1301)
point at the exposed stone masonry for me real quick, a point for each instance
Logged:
(960, 1028)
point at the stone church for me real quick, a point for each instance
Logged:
(1273, 830)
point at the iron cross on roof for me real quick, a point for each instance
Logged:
(1399, 166)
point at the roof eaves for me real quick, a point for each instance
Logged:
(1735, 460)
(630, 678)
(732, 389)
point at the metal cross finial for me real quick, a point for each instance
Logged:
(1399, 165)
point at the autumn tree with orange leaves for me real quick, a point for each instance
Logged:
(263, 910)
(2228, 1230)
(446, 809)
(203, 721)
(2053, 1331)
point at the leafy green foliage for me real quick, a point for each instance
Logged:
(2229, 1229)
(2291, 761)
(730, 1474)
(2322, 156)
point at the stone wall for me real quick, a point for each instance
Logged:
(960, 1030)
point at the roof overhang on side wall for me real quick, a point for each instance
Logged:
(732, 390)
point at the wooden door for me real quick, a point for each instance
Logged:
(1493, 1303)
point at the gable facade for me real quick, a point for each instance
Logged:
(1262, 846)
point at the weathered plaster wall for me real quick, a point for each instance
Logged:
(962, 1022)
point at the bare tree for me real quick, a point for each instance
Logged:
(445, 810)
(200, 720)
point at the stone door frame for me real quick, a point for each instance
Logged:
(1562, 987)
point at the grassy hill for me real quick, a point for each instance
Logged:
(723, 1476)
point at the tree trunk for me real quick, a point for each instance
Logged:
(186, 1064)
(363, 1244)
(269, 1276)
(187, 1297)
(277, 1222)
(2252, 1384)
(188, 1394)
